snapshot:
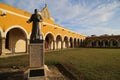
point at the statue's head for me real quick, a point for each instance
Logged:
(36, 11)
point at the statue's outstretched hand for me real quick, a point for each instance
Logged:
(28, 21)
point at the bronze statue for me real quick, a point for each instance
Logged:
(35, 18)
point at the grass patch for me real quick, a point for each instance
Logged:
(83, 63)
(14, 61)
(92, 63)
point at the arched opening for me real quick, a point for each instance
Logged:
(71, 42)
(16, 41)
(7, 41)
(59, 42)
(78, 43)
(75, 43)
(65, 43)
(97, 43)
(101, 44)
(93, 43)
(49, 42)
(81, 43)
(113, 43)
(105, 43)
(0, 43)
(89, 43)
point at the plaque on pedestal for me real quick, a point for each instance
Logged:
(36, 74)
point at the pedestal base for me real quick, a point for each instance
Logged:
(36, 62)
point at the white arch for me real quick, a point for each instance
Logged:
(59, 42)
(74, 37)
(49, 33)
(29, 35)
(78, 39)
(16, 26)
(60, 36)
(66, 36)
(1, 32)
(43, 35)
(71, 38)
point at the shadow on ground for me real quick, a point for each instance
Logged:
(61, 71)
(19, 75)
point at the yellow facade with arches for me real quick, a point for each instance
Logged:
(15, 32)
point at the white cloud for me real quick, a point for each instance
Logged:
(99, 30)
(27, 5)
(64, 11)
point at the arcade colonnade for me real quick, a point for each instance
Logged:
(16, 40)
(103, 41)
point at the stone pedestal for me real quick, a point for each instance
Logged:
(36, 62)
(36, 56)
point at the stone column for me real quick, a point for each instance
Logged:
(118, 44)
(67, 44)
(111, 44)
(27, 44)
(90, 44)
(96, 44)
(62, 44)
(77, 44)
(49, 45)
(103, 44)
(54, 44)
(72, 44)
(0, 45)
(3, 46)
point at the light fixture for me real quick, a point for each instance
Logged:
(3, 13)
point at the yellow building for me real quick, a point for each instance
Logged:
(15, 32)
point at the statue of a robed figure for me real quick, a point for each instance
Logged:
(36, 49)
(36, 33)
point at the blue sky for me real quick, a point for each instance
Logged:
(88, 17)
